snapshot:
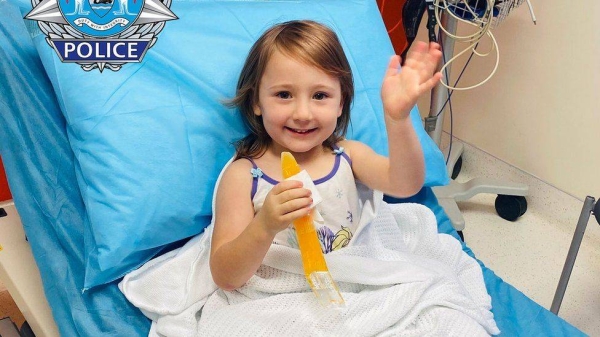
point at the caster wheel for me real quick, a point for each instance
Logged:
(462, 236)
(457, 168)
(510, 207)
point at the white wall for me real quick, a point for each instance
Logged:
(541, 110)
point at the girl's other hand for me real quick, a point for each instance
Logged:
(286, 202)
(401, 88)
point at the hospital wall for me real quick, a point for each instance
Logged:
(540, 112)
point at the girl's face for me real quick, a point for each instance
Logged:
(299, 104)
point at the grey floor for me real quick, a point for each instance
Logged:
(530, 253)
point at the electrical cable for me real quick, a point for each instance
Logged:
(455, 83)
(448, 101)
(449, 94)
(531, 12)
(473, 39)
(485, 21)
(451, 121)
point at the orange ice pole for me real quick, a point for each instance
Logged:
(313, 261)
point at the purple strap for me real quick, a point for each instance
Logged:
(257, 173)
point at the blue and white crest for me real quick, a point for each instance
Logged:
(101, 33)
(101, 18)
(101, 7)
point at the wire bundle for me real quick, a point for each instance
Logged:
(483, 14)
(475, 14)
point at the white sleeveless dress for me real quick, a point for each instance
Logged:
(338, 217)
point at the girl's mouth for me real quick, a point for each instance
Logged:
(300, 131)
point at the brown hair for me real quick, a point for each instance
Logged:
(306, 41)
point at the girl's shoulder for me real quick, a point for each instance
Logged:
(243, 162)
(238, 170)
(352, 146)
(358, 152)
(235, 179)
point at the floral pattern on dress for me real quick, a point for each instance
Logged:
(331, 241)
(349, 217)
(342, 238)
(326, 237)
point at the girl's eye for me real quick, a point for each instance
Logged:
(320, 96)
(283, 95)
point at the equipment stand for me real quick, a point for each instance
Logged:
(510, 203)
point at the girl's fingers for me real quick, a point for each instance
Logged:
(291, 216)
(420, 47)
(422, 50)
(292, 194)
(432, 81)
(294, 205)
(435, 54)
(393, 66)
(424, 59)
(286, 185)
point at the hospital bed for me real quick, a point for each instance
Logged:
(40, 144)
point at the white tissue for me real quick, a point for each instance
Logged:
(308, 184)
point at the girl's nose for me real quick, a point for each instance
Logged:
(302, 112)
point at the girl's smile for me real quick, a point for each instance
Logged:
(301, 131)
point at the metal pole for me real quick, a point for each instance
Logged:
(439, 94)
(588, 206)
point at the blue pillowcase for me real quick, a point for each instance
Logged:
(150, 139)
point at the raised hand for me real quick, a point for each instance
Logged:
(286, 202)
(401, 88)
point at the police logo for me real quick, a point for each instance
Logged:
(101, 33)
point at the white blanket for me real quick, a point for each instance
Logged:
(398, 277)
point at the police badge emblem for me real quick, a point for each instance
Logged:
(101, 33)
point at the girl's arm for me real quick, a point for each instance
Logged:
(241, 239)
(403, 173)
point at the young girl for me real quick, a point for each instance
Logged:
(295, 92)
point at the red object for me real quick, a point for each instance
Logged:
(4, 191)
(391, 12)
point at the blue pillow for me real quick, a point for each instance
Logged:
(150, 139)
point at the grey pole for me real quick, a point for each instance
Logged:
(588, 206)
(439, 94)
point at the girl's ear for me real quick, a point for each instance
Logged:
(341, 109)
(257, 110)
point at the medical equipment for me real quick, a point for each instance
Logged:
(313, 261)
(590, 205)
(42, 168)
(483, 15)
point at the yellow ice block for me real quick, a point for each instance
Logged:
(313, 261)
